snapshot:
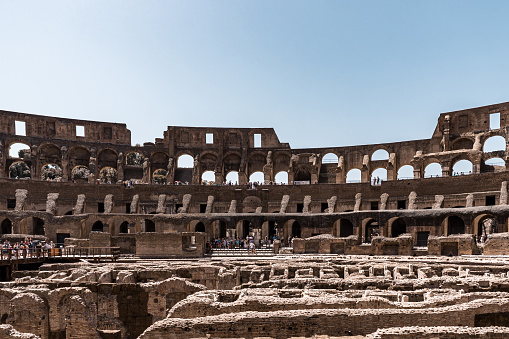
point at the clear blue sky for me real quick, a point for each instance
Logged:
(322, 73)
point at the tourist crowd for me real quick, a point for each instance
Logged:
(27, 247)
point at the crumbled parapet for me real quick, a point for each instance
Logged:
(503, 193)
(210, 204)
(21, 197)
(51, 203)
(358, 201)
(284, 203)
(307, 202)
(108, 203)
(470, 200)
(439, 200)
(331, 203)
(161, 204)
(383, 201)
(259, 209)
(412, 198)
(135, 204)
(80, 204)
(233, 206)
(186, 200)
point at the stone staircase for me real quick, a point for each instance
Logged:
(242, 252)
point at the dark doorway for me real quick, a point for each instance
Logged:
(296, 229)
(150, 226)
(398, 227)
(200, 227)
(345, 228)
(124, 227)
(455, 225)
(6, 226)
(61, 238)
(38, 226)
(97, 226)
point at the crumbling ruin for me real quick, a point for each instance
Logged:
(411, 255)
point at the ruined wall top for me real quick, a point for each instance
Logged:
(66, 129)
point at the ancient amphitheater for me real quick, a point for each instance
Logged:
(392, 240)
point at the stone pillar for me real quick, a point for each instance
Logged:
(365, 169)
(34, 168)
(446, 168)
(219, 177)
(65, 163)
(476, 159)
(120, 167)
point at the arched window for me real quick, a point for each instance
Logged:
(97, 226)
(353, 175)
(208, 178)
(330, 158)
(108, 175)
(159, 176)
(281, 178)
(232, 177)
(51, 172)
(406, 172)
(380, 154)
(462, 167)
(185, 161)
(19, 170)
(124, 227)
(378, 175)
(495, 162)
(257, 177)
(433, 170)
(496, 143)
(19, 150)
(6, 226)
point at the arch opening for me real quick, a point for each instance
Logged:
(353, 175)
(208, 178)
(378, 175)
(462, 167)
(6, 226)
(159, 176)
(455, 225)
(38, 226)
(80, 173)
(398, 227)
(257, 177)
(124, 227)
(372, 229)
(108, 175)
(406, 172)
(19, 150)
(433, 170)
(232, 177)
(330, 158)
(493, 144)
(98, 226)
(281, 178)
(19, 170)
(51, 172)
(150, 226)
(380, 154)
(185, 161)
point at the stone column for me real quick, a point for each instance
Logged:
(65, 163)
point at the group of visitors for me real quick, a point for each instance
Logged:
(27, 247)
(231, 243)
